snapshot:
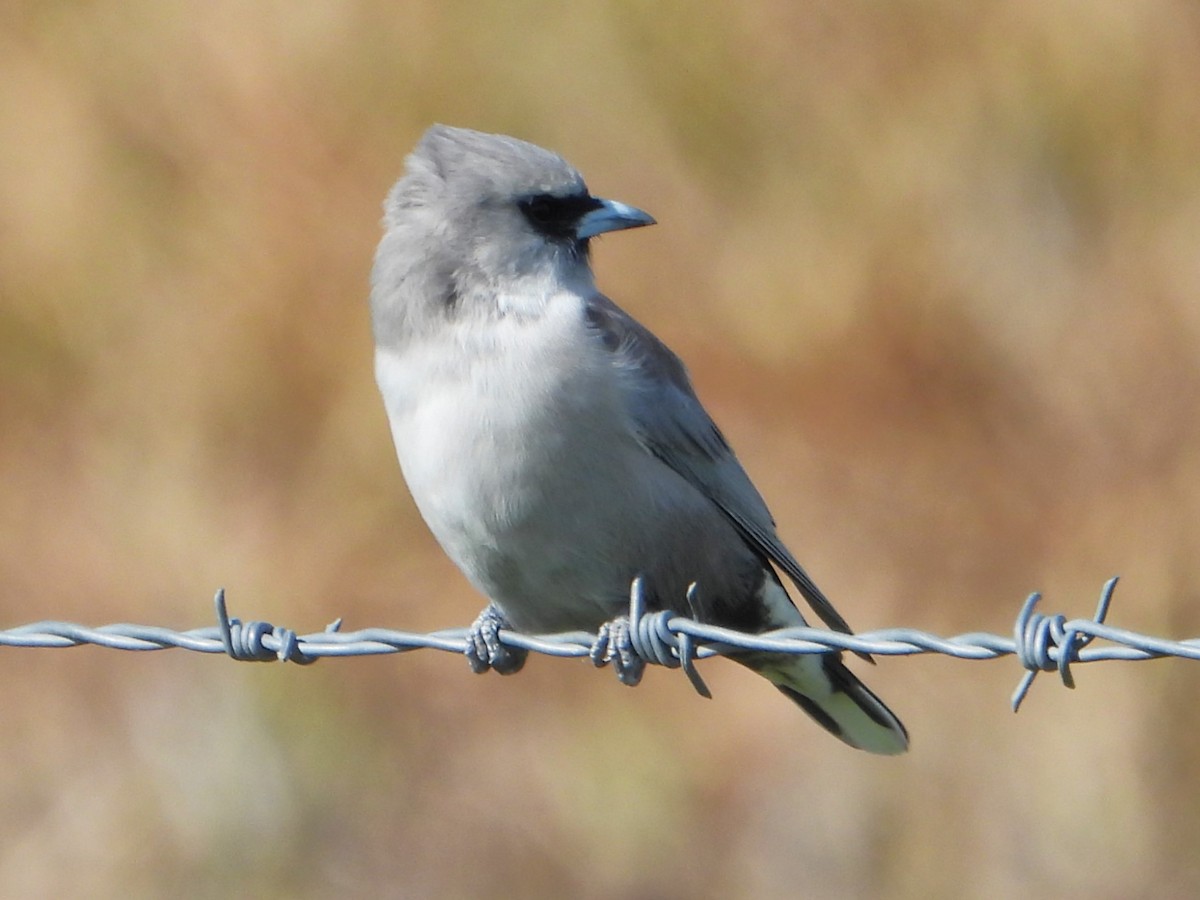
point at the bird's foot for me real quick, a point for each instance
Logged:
(484, 649)
(614, 644)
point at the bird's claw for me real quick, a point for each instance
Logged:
(614, 644)
(484, 649)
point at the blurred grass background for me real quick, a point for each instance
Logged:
(935, 269)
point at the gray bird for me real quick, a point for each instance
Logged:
(555, 446)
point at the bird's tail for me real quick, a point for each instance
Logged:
(823, 687)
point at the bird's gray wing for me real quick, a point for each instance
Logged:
(673, 426)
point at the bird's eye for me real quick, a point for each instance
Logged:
(556, 217)
(541, 210)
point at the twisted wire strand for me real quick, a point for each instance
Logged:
(1041, 643)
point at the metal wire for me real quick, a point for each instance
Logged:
(1040, 642)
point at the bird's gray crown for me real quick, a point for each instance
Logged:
(458, 167)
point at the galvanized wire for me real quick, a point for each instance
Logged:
(1042, 643)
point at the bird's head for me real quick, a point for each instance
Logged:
(489, 215)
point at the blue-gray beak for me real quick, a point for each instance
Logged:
(611, 215)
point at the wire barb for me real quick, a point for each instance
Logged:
(250, 641)
(1045, 643)
(629, 642)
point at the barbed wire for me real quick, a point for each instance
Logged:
(1041, 643)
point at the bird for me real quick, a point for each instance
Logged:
(554, 446)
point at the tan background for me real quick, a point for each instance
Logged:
(936, 270)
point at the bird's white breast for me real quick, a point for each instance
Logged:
(498, 427)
